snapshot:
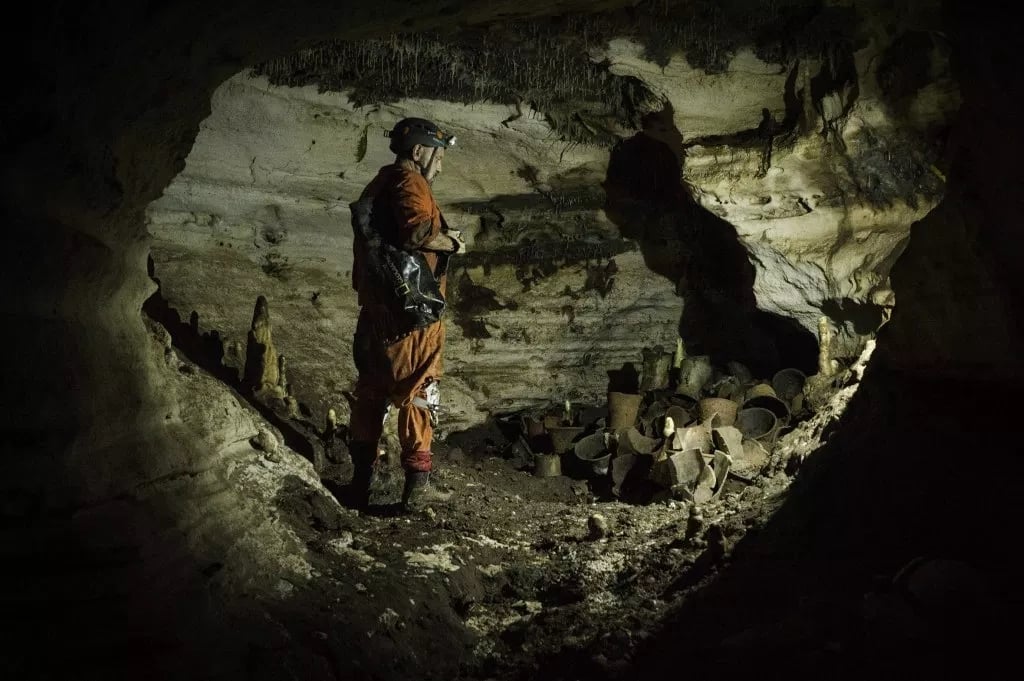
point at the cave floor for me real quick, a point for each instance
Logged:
(506, 579)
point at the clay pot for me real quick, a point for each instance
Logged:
(547, 465)
(725, 410)
(758, 424)
(532, 427)
(622, 409)
(760, 390)
(593, 451)
(772, 404)
(789, 383)
(694, 373)
(657, 363)
(740, 371)
(563, 436)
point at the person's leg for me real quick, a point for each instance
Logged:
(369, 406)
(365, 428)
(416, 366)
(416, 419)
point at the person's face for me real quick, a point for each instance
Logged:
(429, 160)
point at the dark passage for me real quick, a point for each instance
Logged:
(700, 253)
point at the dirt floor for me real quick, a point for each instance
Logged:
(515, 576)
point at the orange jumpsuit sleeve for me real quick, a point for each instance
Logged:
(416, 213)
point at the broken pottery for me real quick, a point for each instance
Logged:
(632, 441)
(685, 467)
(680, 416)
(749, 464)
(705, 490)
(655, 411)
(621, 465)
(721, 465)
(689, 404)
(728, 439)
(693, 437)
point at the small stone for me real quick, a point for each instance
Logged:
(751, 493)
(360, 587)
(264, 441)
(694, 523)
(528, 607)
(598, 526)
(322, 635)
(388, 618)
(717, 543)
(342, 541)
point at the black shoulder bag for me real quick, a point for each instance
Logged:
(406, 283)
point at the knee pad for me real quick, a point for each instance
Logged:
(432, 401)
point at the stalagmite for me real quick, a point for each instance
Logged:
(261, 367)
(826, 366)
(282, 380)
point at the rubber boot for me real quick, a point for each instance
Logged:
(363, 454)
(418, 492)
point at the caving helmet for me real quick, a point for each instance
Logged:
(409, 132)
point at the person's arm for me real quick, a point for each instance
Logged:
(417, 216)
(441, 242)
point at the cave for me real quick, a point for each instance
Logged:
(785, 185)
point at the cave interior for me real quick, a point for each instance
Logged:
(752, 186)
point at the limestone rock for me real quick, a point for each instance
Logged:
(261, 359)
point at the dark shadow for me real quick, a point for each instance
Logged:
(817, 591)
(699, 253)
(864, 317)
(625, 379)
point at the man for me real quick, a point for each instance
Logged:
(399, 363)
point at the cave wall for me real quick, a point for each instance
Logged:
(812, 170)
(548, 297)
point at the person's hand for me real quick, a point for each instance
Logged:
(456, 236)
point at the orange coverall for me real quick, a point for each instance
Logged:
(396, 365)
